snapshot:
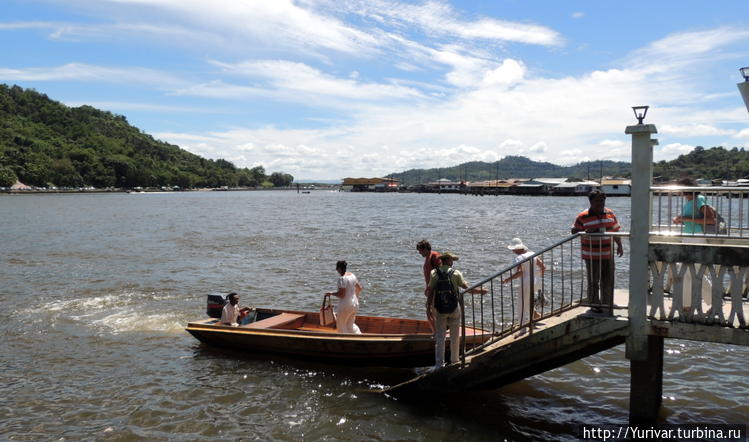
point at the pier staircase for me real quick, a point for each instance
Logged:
(559, 332)
(556, 342)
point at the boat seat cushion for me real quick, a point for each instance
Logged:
(277, 321)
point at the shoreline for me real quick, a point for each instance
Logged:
(305, 191)
(97, 191)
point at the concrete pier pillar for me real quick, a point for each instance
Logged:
(645, 352)
(639, 237)
(646, 384)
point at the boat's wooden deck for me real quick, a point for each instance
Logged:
(369, 325)
(284, 320)
(316, 328)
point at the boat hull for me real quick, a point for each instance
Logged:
(378, 345)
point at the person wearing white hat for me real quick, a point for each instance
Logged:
(523, 271)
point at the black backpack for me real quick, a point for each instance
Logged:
(445, 295)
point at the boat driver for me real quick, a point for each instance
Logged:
(232, 314)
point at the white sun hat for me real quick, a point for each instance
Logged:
(517, 244)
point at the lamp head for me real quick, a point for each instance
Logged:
(745, 73)
(640, 112)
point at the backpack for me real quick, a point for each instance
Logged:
(445, 295)
(720, 224)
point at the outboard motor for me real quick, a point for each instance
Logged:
(215, 305)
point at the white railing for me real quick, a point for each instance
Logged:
(692, 283)
(673, 204)
(699, 258)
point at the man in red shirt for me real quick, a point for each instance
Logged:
(597, 252)
(431, 261)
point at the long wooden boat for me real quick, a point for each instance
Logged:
(386, 342)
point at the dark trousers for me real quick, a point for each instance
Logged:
(600, 282)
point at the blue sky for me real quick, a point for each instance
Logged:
(326, 89)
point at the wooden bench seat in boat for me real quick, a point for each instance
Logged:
(283, 320)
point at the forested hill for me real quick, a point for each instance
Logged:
(713, 163)
(512, 167)
(43, 142)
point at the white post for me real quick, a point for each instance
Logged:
(642, 177)
(744, 89)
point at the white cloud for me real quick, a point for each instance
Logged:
(670, 151)
(578, 15)
(612, 143)
(511, 144)
(563, 120)
(694, 130)
(86, 72)
(494, 109)
(439, 18)
(11, 26)
(464, 92)
(509, 72)
(678, 50)
(298, 80)
(280, 23)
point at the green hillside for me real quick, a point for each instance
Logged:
(43, 142)
(512, 167)
(713, 163)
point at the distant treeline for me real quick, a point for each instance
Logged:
(713, 163)
(512, 167)
(43, 142)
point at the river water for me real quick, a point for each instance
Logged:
(95, 291)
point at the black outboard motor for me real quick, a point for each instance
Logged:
(215, 305)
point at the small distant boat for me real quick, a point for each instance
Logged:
(384, 342)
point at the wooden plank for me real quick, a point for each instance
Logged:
(275, 321)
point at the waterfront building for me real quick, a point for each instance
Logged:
(491, 187)
(573, 188)
(547, 183)
(616, 186)
(370, 184)
(444, 185)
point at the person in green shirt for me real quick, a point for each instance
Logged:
(696, 213)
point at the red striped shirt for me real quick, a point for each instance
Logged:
(596, 248)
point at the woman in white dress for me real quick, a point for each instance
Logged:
(348, 292)
(523, 271)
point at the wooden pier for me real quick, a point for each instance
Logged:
(682, 285)
(557, 341)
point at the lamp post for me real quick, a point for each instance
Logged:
(642, 177)
(744, 86)
(644, 352)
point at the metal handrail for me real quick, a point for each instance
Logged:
(563, 282)
(514, 265)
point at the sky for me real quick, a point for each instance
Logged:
(327, 89)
